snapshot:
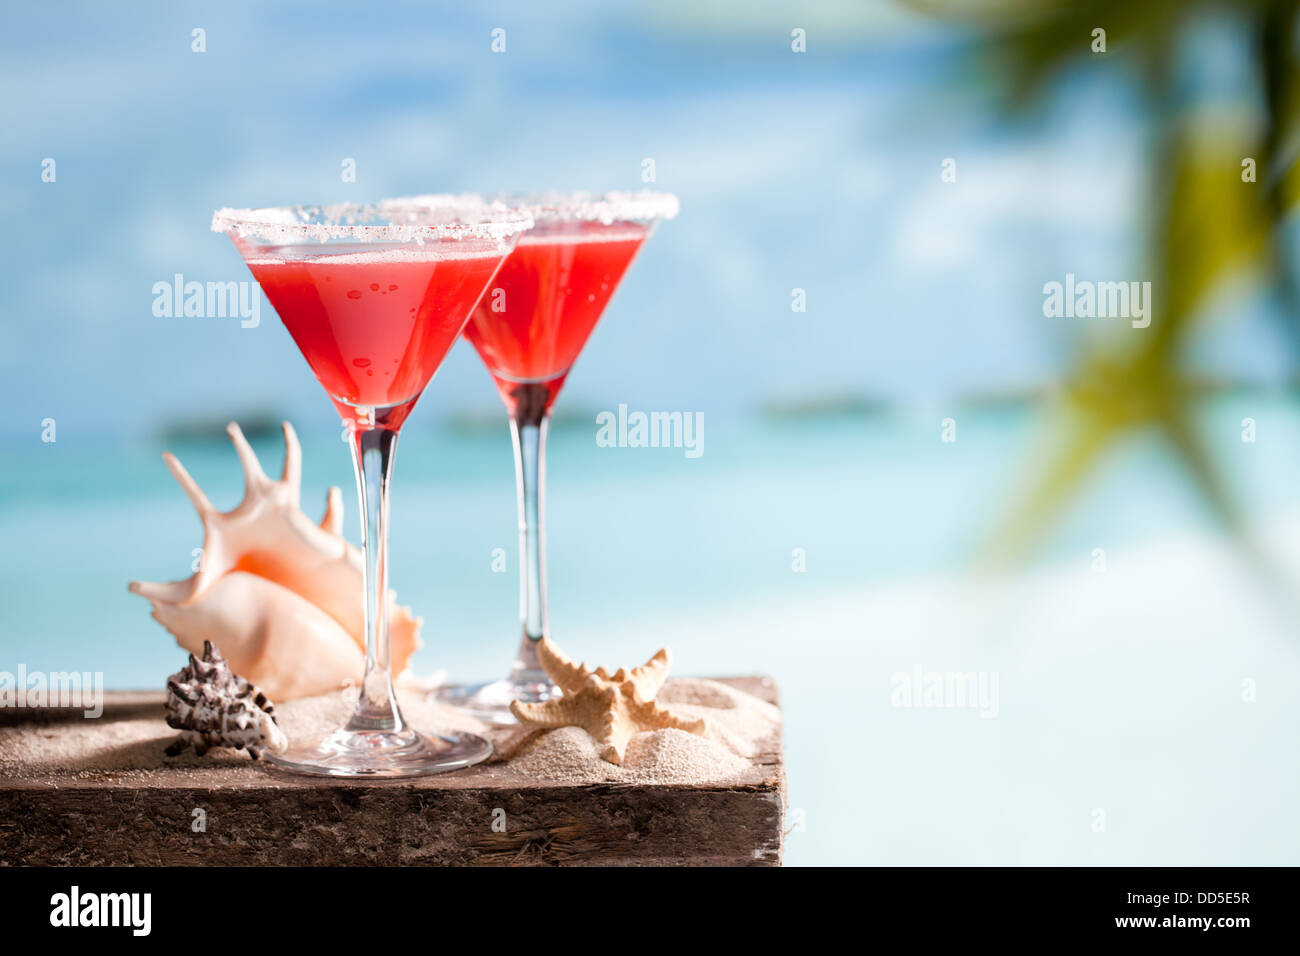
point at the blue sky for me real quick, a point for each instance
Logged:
(817, 171)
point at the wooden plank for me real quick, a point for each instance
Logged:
(134, 808)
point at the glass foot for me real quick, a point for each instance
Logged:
(346, 753)
(491, 701)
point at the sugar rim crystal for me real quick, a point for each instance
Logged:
(604, 208)
(439, 217)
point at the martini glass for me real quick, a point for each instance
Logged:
(374, 302)
(529, 330)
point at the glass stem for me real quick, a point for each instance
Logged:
(528, 427)
(373, 449)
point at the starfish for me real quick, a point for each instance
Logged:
(609, 707)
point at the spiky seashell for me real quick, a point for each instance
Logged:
(213, 707)
(609, 707)
(281, 596)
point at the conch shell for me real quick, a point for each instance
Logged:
(610, 707)
(280, 595)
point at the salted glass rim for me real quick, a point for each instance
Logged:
(559, 206)
(438, 217)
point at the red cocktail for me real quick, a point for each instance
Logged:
(546, 300)
(373, 323)
(529, 329)
(374, 301)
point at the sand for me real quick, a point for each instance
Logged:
(738, 727)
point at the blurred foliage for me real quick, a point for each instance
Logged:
(1208, 225)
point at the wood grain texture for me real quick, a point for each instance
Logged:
(129, 806)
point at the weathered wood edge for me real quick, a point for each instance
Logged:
(280, 820)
